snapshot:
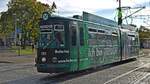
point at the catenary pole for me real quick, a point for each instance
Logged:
(120, 26)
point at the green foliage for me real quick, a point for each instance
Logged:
(5, 24)
(25, 14)
(144, 32)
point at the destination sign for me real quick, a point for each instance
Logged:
(46, 26)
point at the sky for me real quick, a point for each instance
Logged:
(104, 8)
(3, 5)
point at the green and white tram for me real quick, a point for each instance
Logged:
(73, 44)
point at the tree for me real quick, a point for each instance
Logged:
(144, 33)
(25, 14)
(6, 26)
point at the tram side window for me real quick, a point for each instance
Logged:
(73, 35)
(136, 40)
(92, 36)
(109, 40)
(115, 38)
(132, 39)
(81, 36)
(101, 37)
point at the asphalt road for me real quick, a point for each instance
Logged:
(129, 72)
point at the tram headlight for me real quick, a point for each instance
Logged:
(43, 59)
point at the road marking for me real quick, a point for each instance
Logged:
(125, 74)
(138, 81)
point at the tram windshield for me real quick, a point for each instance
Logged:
(53, 38)
(59, 35)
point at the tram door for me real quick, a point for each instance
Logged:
(74, 45)
(124, 41)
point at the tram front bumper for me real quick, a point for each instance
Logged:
(52, 68)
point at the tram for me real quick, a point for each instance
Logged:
(79, 43)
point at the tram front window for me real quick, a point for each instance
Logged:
(45, 38)
(53, 39)
(59, 35)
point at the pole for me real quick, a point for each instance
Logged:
(15, 26)
(15, 30)
(119, 3)
(119, 14)
(19, 49)
(120, 26)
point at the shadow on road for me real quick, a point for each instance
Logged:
(58, 78)
(41, 78)
(5, 62)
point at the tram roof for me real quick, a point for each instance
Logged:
(81, 20)
(92, 19)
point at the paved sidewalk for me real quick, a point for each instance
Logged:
(145, 52)
(8, 56)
